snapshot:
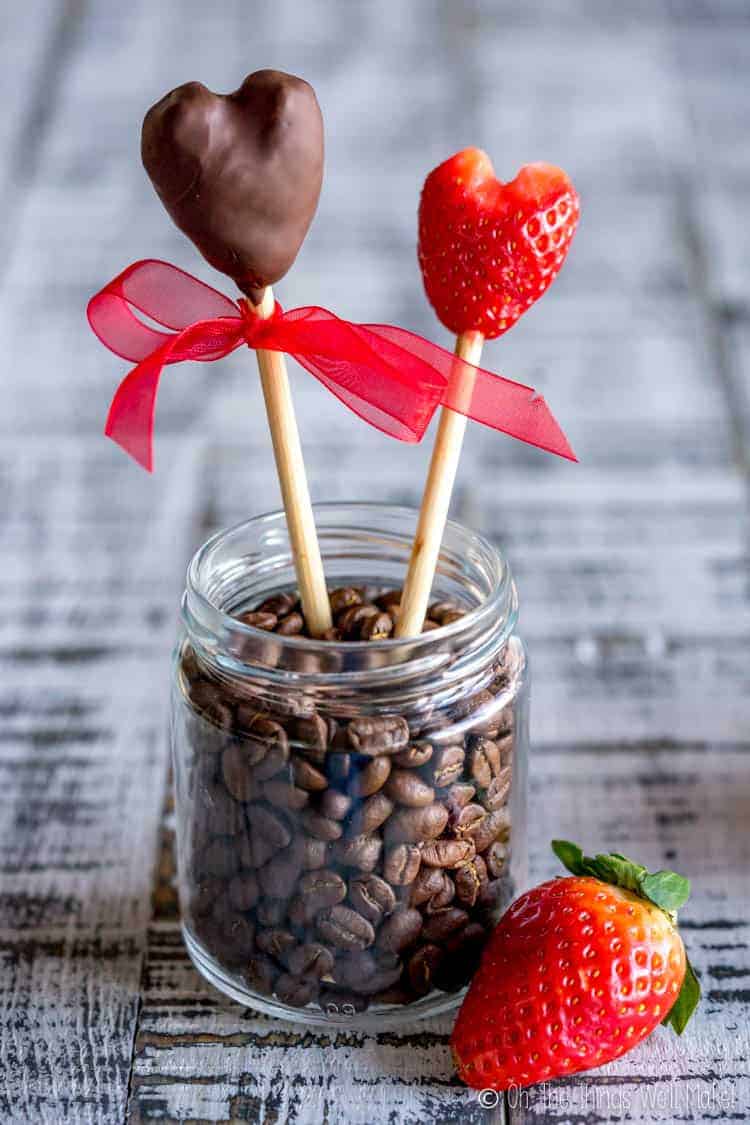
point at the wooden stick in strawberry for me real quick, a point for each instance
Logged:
(240, 174)
(487, 251)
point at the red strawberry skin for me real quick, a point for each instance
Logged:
(576, 973)
(488, 250)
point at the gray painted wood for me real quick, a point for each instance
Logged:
(632, 568)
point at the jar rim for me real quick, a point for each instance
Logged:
(499, 608)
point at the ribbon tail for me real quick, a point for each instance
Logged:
(512, 408)
(130, 420)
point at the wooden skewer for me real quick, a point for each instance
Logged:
(437, 497)
(295, 493)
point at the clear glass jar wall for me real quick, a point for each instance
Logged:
(351, 816)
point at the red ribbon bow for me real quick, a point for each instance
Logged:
(392, 378)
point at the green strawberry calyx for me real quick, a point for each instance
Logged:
(665, 889)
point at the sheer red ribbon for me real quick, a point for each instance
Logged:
(391, 378)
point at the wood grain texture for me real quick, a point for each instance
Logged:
(632, 568)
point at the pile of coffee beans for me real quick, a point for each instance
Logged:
(344, 862)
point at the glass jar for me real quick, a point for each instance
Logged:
(350, 816)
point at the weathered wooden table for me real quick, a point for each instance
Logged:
(632, 568)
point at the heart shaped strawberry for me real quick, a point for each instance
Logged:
(488, 250)
(240, 174)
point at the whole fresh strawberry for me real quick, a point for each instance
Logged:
(488, 250)
(577, 972)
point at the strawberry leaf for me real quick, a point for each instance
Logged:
(686, 1002)
(666, 889)
(570, 856)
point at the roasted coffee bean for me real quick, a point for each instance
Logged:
(296, 991)
(415, 825)
(271, 911)
(344, 928)
(216, 813)
(444, 896)
(470, 879)
(400, 929)
(367, 779)
(237, 772)
(243, 890)
(372, 897)
(285, 795)
(445, 766)
(279, 876)
(484, 761)
(261, 735)
(310, 960)
(260, 974)
(352, 967)
(362, 852)
(376, 628)
(311, 733)
(456, 798)
(306, 776)
(407, 788)
(448, 853)
(235, 934)
(275, 942)
(444, 922)
(339, 1002)
(482, 709)
(291, 625)
(208, 700)
(401, 864)
(273, 762)
(487, 830)
(322, 888)
(414, 756)
(335, 804)
(269, 824)
(259, 619)
(350, 621)
(438, 610)
(505, 742)
(495, 858)
(469, 820)
(370, 814)
(343, 598)
(322, 827)
(384, 734)
(381, 978)
(219, 859)
(497, 792)
(314, 853)
(280, 604)
(390, 600)
(429, 882)
(422, 965)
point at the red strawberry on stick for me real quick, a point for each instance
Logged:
(487, 251)
(577, 972)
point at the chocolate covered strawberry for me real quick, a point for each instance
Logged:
(577, 972)
(488, 250)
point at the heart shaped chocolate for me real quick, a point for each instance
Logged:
(240, 174)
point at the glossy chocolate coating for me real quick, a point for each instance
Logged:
(240, 174)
